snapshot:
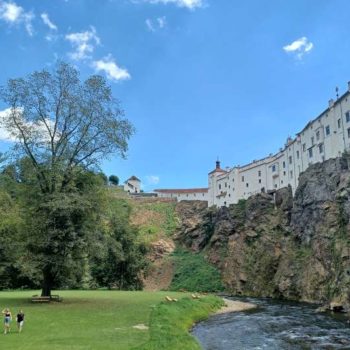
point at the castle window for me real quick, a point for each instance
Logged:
(347, 116)
(284, 164)
(320, 147)
(318, 135)
(339, 123)
(298, 154)
(291, 174)
(219, 186)
(284, 173)
(242, 178)
(225, 184)
(247, 184)
(259, 173)
(312, 140)
(290, 159)
(273, 168)
(348, 132)
(328, 130)
(304, 147)
(310, 153)
(259, 181)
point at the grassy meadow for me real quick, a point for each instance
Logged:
(105, 320)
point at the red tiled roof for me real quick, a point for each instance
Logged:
(187, 190)
(133, 178)
(218, 170)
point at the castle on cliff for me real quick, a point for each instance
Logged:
(327, 136)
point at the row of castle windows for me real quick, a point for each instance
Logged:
(310, 150)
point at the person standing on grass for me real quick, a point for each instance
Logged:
(7, 320)
(20, 321)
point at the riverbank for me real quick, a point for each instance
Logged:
(234, 306)
(170, 322)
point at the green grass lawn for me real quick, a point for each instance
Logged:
(96, 319)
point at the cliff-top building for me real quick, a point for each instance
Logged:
(327, 136)
(132, 185)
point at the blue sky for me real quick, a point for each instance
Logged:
(198, 78)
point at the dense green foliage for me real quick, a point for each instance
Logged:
(122, 259)
(96, 320)
(194, 273)
(103, 249)
(170, 323)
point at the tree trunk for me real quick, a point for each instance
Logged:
(47, 283)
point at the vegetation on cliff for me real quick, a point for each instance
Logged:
(192, 272)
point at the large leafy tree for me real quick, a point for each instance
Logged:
(62, 127)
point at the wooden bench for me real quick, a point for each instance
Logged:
(56, 298)
(41, 299)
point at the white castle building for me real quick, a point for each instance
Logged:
(327, 136)
(132, 185)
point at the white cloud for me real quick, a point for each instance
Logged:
(299, 47)
(149, 24)
(158, 23)
(152, 180)
(4, 134)
(37, 130)
(51, 37)
(190, 4)
(110, 67)
(12, 14)
(161, 22)
(83, 43)
(45, 17)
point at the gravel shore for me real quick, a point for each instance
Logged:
(235, 306)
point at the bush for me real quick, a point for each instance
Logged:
(193, 273)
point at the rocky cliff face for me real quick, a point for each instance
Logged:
(279, 246)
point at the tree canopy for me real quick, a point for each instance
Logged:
(62, 128)
(61, 123)
(114, 180)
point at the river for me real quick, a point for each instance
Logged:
(274, 325)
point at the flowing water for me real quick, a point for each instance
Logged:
(274, 325)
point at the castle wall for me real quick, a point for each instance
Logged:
(325, 137)
(182, 195)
